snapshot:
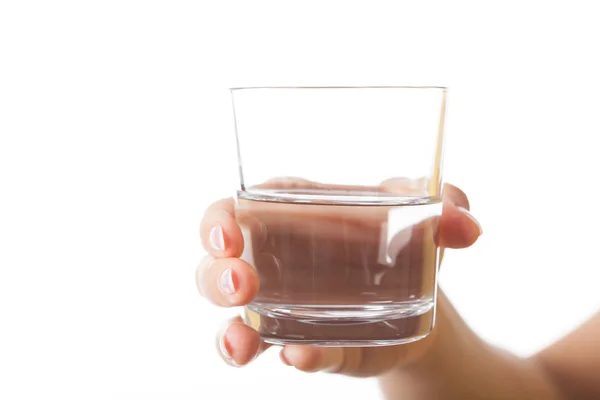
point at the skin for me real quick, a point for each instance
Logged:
(451, 363)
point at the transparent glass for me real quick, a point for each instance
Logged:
(339, 205)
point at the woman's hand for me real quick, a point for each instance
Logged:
(227, 281)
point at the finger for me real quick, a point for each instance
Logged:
(238, 344)
(405, 186)
(221, 236)
(227, 282)
(254, 231)
(287, 182)
(295, 183)
(419, 186)
(312, 359)
(352, 361)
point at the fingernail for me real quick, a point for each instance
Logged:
(226, 282)
(217, 241)
(472, 218)
(225, 349)
(283, 359)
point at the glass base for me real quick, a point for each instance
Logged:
(347, 325)
(346, 343)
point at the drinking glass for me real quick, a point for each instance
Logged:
(339, 205)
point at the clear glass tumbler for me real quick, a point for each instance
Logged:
(339, 205)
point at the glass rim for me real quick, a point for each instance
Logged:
(440, 88)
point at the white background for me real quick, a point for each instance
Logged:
(116, 132)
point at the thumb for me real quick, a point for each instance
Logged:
(458, 227)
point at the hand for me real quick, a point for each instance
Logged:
(226, 280)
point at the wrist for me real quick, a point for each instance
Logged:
(456, 364)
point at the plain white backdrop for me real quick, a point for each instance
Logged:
(116, 132)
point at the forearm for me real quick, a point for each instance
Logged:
(459, 365)
(574, 361)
